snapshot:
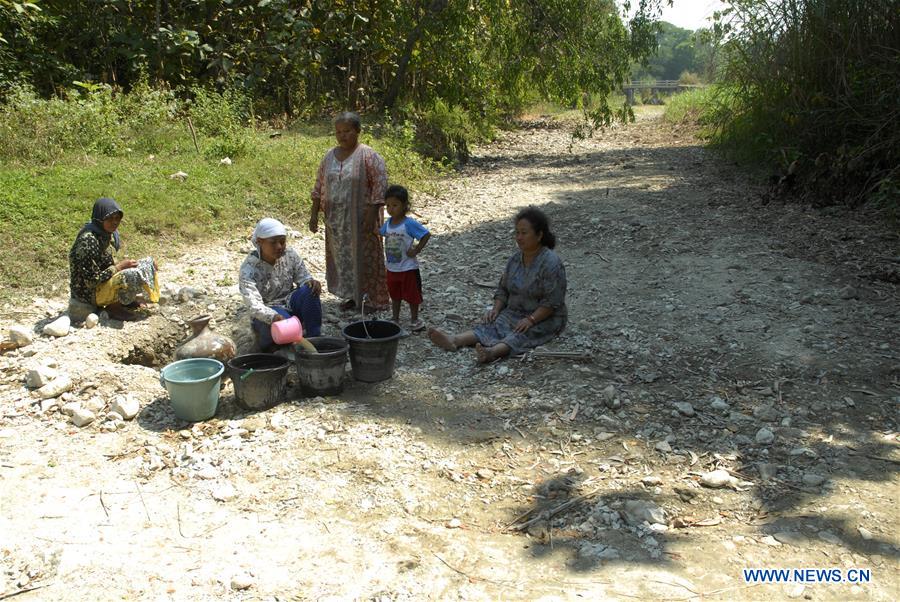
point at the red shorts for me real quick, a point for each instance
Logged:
(405, 286)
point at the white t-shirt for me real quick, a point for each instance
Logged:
(398, 238)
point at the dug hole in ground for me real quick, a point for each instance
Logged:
(725, 397)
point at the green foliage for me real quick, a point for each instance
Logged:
(444, 132)
(690, 107)
(222, 119)
(93, 119)
(304, 58)
(814, 83)
(675, 52)
(689, 78)
(36, 129)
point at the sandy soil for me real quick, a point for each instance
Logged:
(708, 331)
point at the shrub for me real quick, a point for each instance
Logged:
(90, 119)
(221, 120)
(444, 132)
(814, 84)
(691, 107)
(688, 78)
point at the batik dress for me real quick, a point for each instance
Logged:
(523, 289)
(354, 259)
(93, 279)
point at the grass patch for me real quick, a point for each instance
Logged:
(689, 107)
(42, 205)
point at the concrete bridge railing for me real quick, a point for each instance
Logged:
(655, 87)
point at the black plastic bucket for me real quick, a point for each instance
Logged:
(321, 373)
(259, 379)
(373, 349)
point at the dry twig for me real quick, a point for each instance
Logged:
(466, 575)
(22, 591)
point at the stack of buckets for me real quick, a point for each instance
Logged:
(193, 384)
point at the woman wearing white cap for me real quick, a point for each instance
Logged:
(276, 285)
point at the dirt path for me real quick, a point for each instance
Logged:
(716, 333)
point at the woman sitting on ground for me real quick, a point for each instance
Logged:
(96, 280)
(276, 285)
(530, 303)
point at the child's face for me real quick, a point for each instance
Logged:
(394, 206)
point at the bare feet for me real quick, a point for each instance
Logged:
(441, 339)
(485, 356)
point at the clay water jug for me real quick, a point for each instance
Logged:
(205, 343)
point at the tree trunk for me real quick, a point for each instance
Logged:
(390, 97)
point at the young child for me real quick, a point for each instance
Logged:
(400, 232)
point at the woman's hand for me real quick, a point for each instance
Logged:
(314, 223)
(490, 315)
(126, 264)
(315, 286)
(411, 252)
(370, 219)
(522, 325)
(278, 318)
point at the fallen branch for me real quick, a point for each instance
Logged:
(22, 591)
(121, 455)
(143, 503)
(882, 458)
(178, 514)
(561, 354)
(548, 514)
(103, 505)
(466, 575)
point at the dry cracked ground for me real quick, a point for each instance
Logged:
(725, 397)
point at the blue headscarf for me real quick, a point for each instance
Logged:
(103, 208)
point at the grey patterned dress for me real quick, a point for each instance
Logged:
(524, 289)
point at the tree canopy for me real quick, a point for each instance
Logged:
(294, 57)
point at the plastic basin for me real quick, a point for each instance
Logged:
(193, 387)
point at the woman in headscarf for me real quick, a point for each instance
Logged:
(276, 285)
(96, 280)
(349, 190)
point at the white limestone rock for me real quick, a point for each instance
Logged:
(39, 376)
(21, 335)
(58, 327)
(126, 406)
(82, 417)
(717, 479)
(56, 387)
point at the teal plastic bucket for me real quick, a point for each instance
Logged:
(193, 387)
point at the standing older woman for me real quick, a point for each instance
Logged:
(276, 285)
(96, 279)
(530, 303)
(349, 190)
